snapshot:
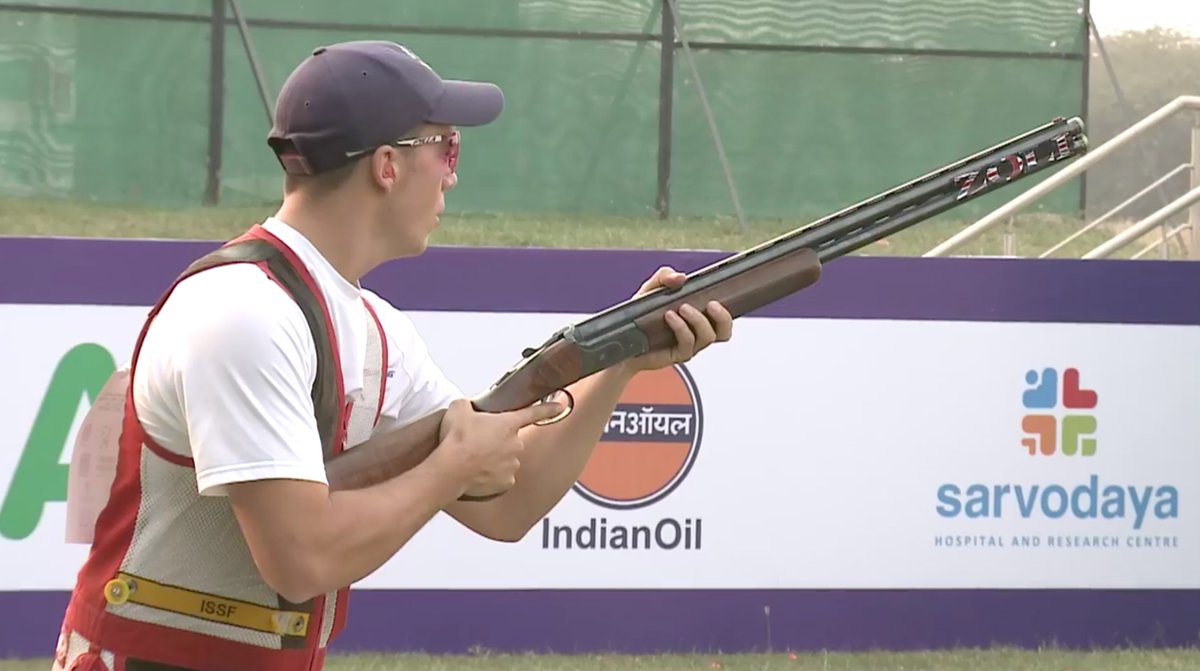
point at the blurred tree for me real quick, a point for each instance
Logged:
(1152, 68)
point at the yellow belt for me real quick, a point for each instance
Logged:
(133, 589)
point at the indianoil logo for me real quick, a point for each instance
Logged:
(649, 444)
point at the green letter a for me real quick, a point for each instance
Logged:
(40, 478)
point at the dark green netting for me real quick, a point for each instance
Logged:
(116, 108)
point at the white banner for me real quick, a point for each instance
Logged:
(804, 454)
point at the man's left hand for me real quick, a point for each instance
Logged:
(694, 330)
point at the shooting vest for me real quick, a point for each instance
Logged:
(169, 577)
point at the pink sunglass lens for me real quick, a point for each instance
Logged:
(452, 152)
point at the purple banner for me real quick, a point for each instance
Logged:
(135, 272)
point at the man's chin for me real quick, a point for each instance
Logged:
(421, 245)
(410, 252)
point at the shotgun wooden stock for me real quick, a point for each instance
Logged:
(742, 282)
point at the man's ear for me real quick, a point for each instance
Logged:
(385, 169)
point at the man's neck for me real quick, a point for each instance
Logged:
(338, 233)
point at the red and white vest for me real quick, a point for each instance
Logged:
(169, 577)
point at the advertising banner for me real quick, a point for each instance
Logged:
(810, 453)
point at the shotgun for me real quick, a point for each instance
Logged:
(742, 282)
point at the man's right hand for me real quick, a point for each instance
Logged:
(484, 448)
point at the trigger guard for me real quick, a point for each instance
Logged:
(479, 498)
(570, 405)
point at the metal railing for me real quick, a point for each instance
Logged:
(1182, 167)
(1159, 218)
(1161, 243)
(1096, 155)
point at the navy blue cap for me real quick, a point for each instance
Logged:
(356, 96)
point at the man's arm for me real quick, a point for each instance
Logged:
(555, 455)
(307, 541)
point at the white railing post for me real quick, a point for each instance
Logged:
(1194, 213)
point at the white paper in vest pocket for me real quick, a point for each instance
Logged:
(94, 458)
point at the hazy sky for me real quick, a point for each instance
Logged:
(1113, 16)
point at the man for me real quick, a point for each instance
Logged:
(222, 546)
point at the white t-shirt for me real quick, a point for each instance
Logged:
(226, 370)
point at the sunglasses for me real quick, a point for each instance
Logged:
(452, 143)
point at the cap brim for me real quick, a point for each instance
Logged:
(468, 104)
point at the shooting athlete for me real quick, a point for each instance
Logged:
(222, 547)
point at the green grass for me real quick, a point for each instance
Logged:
(997, 659)
(1029, 235)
